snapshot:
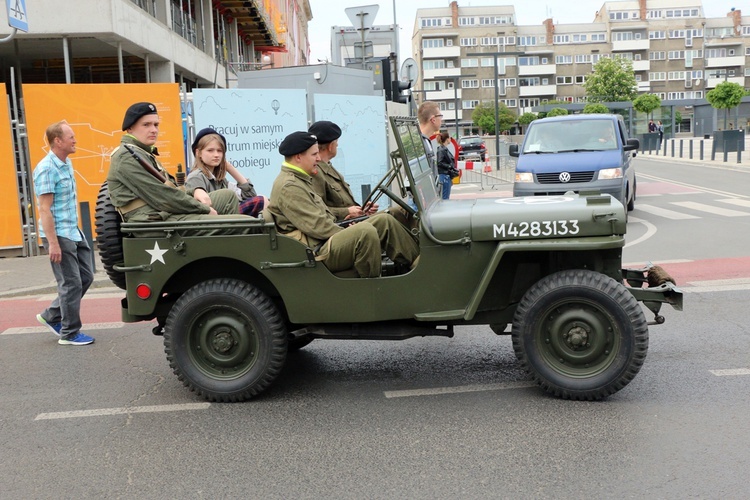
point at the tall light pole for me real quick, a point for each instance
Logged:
(497, 95)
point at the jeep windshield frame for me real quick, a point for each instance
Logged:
(412, 157)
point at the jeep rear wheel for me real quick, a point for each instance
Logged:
(109, 237)
(225, 340)
(580, 334)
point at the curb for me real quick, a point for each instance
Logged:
(100, 281)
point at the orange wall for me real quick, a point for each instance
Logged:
(95, 112)
(11, 232)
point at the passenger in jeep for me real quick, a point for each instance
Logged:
(143, 191)
(300, 212)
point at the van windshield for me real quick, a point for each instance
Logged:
(571, 135)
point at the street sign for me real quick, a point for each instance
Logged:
(362, 17)
(17, 17)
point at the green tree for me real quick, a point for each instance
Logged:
(611, 80)
(595, 108)
(726, 95)
(483, 117)
(527, 118)
(647, 103)
(557, 112)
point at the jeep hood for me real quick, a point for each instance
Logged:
(524, 218)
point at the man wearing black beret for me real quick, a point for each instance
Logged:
(140, 188)
(300, 212)
(329, 183)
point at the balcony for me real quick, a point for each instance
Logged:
(630, 45)
(713, 82)
(641, 65)
(436, 74)
(722, 62)
(443, 95)
(441, 52)
(644, 86)
(537, 69)
(450, 114)
(537, 90)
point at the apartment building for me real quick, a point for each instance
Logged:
(196, 42)
(677, 53)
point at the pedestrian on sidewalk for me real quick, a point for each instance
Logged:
(69, 253)
(660, 129)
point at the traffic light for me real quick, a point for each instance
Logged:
(399, 91)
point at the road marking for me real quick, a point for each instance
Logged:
(700, 189)
(663, 212)
(103, 412)
(702, 207)
(714, 288)
(104, 295)
(650, 231)
(410, 393)
(735, 201)
(41, 329)
(731, 372)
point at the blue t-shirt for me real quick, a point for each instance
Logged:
(56, 177)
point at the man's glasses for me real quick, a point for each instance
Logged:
(437, 116)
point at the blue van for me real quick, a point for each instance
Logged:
(589, 152)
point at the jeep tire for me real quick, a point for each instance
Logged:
(580, 334)
(225, 340)
(109, 237)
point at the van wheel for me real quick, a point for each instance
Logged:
(580, 335)
(631, 203)
(109, 237)
(225, 340)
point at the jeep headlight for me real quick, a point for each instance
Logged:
(610, 173)
(524, 177)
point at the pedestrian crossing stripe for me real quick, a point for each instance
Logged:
(736, 201)
(663, 212)
(702, 207)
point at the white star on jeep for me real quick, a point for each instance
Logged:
(157, 254)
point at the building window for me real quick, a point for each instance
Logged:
(528, 61)
(532, 81)
(433, 64)
(511, 103)
(563, 59)
(529, 41)
(580, 79)
(432, 43)
(469, 104)
(561, 39)
(471, 62)
(470, 84)
(622, 36)
(466, 21)
(564, 80)
(468, 42)
(657, 56)
(488, 82)
(431, 22)
(657, 35)
(657, 76)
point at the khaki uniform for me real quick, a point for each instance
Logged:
(301, 213)
(334, 190)
(130, 185)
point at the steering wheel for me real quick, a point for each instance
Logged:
(381, 188)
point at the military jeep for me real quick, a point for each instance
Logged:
(232, 306)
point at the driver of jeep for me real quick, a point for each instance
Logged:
(299, 212)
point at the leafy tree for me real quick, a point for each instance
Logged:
(527, 118)
(611, 80)
(557, 112)
(647, 103)
(483, 117)
(726, 95)
(595, 108)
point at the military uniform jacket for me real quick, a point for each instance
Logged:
(334, 190)
(128, 181)
(298, 210)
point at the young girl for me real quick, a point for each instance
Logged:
(210, 173)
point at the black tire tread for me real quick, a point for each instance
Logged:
(109, 237)
(600, 283)
(265, 308)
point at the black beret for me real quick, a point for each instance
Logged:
(296, 143)
(203, 133)
(135, 111)
(326, 131)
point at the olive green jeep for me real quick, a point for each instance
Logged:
(232, 306)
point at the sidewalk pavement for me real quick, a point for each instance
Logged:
(21, 276)
(706, 161)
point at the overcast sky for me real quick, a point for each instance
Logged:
(327, 13)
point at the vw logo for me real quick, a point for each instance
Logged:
(564, 177)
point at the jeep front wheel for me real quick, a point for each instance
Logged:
(225, 340)
(580, 334)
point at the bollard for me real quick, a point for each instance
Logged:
(665, 146)
(726, 153)
(690, 144)
(86, 230)
(739, 151)
(701, 151)
(680, 148)
(672, 149)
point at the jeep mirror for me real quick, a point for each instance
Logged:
(513, 150)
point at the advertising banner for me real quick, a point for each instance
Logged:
(362, 156)
(95, 112)
(254, 122)
(11, 225)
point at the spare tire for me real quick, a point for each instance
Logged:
(109, 237)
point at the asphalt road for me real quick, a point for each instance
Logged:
(422, 418)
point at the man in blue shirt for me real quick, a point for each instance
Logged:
(69, 253)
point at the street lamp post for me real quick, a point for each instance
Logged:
(497, 96)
